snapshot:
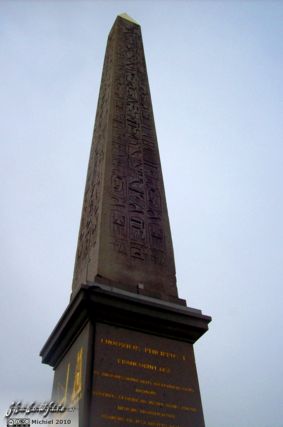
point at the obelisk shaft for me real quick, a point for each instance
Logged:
(125, 239)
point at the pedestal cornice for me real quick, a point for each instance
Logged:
(109, 305)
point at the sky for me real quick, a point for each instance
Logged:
(215, 73)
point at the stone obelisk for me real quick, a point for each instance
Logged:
(123, 349)
(125, 239)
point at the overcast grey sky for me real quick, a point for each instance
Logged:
(215, 72)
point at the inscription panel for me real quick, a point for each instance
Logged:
(141, 379)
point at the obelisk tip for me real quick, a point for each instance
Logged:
(128, 18)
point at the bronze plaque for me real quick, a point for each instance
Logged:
(143, 380)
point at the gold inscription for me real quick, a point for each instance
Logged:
(77, 387)
(155, 352)
(137, 421)
(168, 386)
(120, 344)
(143, 391)
(145, 412)
(142, 365)
(148, 398)
(147, 350)
(77, 382)
(63, 401)
(126, 409)
(154, 403)
(156, 413)
(112, 417)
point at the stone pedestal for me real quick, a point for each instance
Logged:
(125, 359)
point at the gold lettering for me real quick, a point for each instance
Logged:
(77, 387)
(112, 417)
(157, 414)
(155, 403)
(63, 401)
(171, 405)
(151, 351)
(164, 370)
(155, 352)
(150, 383)
(126, 408)
(104, 394)
(143, 391)
(143, 365)
(137, 421)
(189, 408)
(120, 344)
(134, 400)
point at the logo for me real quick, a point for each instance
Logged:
(19, 422)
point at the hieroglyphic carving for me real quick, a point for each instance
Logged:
(134, 141)
(124, 195)
(91, 205)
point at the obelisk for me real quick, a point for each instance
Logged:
(124, 238)
(123, 349)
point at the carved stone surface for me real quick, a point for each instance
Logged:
(125, 237)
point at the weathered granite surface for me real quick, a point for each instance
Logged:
(124, 238)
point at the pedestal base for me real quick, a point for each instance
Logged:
(126, 360)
